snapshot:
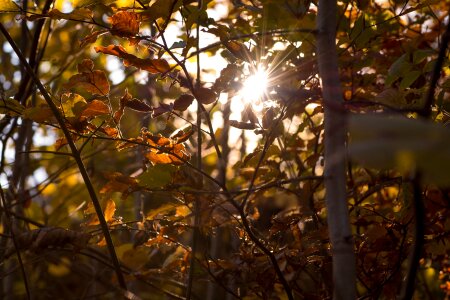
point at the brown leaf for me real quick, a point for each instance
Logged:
(227, 75)
(138, 105)
(205, 95)
(125, 23)
(183, 102)
(164, 150)
(94, 82)
(162, 109)
(242, 125)
(86, 66)
(92, 38)
(150, 65)
(238, 50)
(95, 108)
(182, 134)
(268, 118)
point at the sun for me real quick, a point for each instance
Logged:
(255, 86)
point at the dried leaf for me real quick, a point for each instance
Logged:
(150, 65)
(138, 105)
(164, 150)
(162, 109)
(86, 66)
(110, 131)
(94, 82)
(125, 23)
(8, 5)
(95, 108)
(205, 95)
(182, 134)
(183, 102)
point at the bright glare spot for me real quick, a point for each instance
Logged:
(255, 86)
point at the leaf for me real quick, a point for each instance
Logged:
(91, 81)
(92, 38)
(409, 79)
(125, 23)
(11, 107)
(164, 150)
(205, 95)
(227, 75)
(183, 102)
(150, 65)
(95, 108)
(239, 50)
(109, 209)
(162, 109)
(242, 125)
(268, 118)
(157, 176)
(161, 9)
(406, 144)
(86, 66)
(138, 105)
(182, 134)
(40, 114)
(8, 6)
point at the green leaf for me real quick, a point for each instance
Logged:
(409, 79)
(157, 176)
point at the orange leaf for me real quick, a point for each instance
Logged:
(94, 82)
(150, 65)
(164, 150)
(125, 23)
(110, 131)
(95, 108)
(183, 102)
(91, 38)
(108, 212)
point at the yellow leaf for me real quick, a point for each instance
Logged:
(8, 5)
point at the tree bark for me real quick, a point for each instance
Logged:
(344, 266)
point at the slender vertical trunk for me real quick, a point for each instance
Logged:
(344, 269)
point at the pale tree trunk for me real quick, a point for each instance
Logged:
(344, 269)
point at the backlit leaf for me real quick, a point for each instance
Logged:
(205, 95)
(150, 65)
(94, 82)
(8, 5)
(95, 108)
(138, 105)
(242, 125)
(125, 23)
(39, 114)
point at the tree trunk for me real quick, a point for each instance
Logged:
(344, 269)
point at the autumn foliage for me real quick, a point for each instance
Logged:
(137, 110)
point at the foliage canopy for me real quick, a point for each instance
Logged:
(140, 167)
